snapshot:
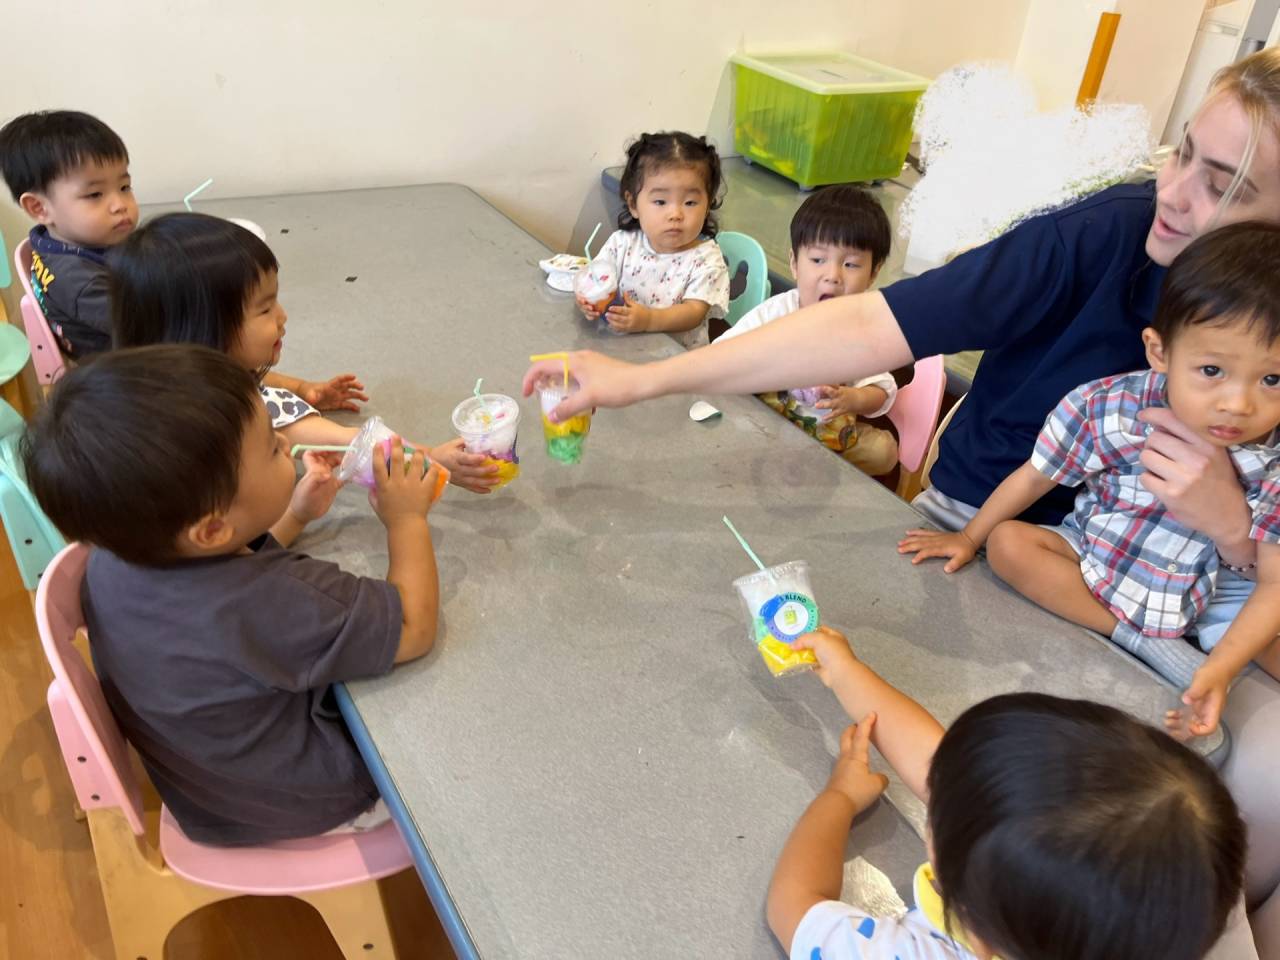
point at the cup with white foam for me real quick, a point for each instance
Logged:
(488, 424)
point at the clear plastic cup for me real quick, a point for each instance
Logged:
(597, 283)
(374, 439)
(780, 607)
(806, 399)
(564, 440)
(488, 425)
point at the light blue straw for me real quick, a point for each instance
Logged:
(586, 247)
(745, 546)
(186, 201)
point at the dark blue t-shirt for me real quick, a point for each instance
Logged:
(1056, 302)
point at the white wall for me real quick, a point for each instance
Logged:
(1055, 47)
(1150, 55)
(523, 105)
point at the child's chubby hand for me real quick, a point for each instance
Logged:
(840, 401)
(402, 491)
(471, 471)
(629, 316)
(956, 547)
(314, 492)
(588, 309)
(831, 647)
(1204, 699)
(343, 392)
(852, 777)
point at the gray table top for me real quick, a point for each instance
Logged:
(594, 753)
(761, 203)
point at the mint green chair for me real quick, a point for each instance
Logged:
(32, 537)
(739, 249)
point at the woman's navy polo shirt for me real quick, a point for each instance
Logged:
(1057, 301)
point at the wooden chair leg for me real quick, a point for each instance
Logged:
(144, 900)
(909, 485)
(357, 919)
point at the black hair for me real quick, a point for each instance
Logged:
(845, 216)
(186, 278)
(651, 152)
(39, 148)
(1066, 830)
(1225, 276)
(134, 446)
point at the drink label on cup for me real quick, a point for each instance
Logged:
(789, 615)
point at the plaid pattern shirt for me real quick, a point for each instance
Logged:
(1153, 573)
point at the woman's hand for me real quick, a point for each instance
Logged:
(602, 382)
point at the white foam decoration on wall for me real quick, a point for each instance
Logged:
(992, 159)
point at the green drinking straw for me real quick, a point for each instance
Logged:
(329, 448)
(747, 547)
(186, 201)
(586, 247)
(476, 391)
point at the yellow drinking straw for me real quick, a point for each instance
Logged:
(562, 357)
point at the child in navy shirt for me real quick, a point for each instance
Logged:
(70, 173)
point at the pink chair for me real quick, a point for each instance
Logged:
(915, 414)
(45, 354)
(152, 874)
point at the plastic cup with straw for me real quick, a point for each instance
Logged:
(362, 452)
(596, 284)
(489, 424)
(564, 439)
(780, 607)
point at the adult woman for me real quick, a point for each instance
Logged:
(1055, 302)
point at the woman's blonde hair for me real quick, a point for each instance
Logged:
(1255, 84)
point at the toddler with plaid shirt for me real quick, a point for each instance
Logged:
(1122, 564)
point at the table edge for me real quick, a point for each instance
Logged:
(454, 926)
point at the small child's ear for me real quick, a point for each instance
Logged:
(210, 532)
(629, 199)
(35, 206)
(875, 272)
(1155, 350)
(794, 264)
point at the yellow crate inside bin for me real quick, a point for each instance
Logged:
(822, 118)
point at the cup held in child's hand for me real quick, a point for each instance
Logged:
(488, 425)
(564, 439)
(806, 399)
(780, 609)
(373, 439)
(597, 284)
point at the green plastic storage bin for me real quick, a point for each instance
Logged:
(822, 118)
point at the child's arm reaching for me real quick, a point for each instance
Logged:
(312, 496)
(633, 317)
(1252, 635)
(905, 732)
(317, 429)
(811, 867)
(338, 393)
(852, 401)
(1019, 490)
(402, 497)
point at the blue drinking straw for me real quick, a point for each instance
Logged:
(186, 201)
(745, 546)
